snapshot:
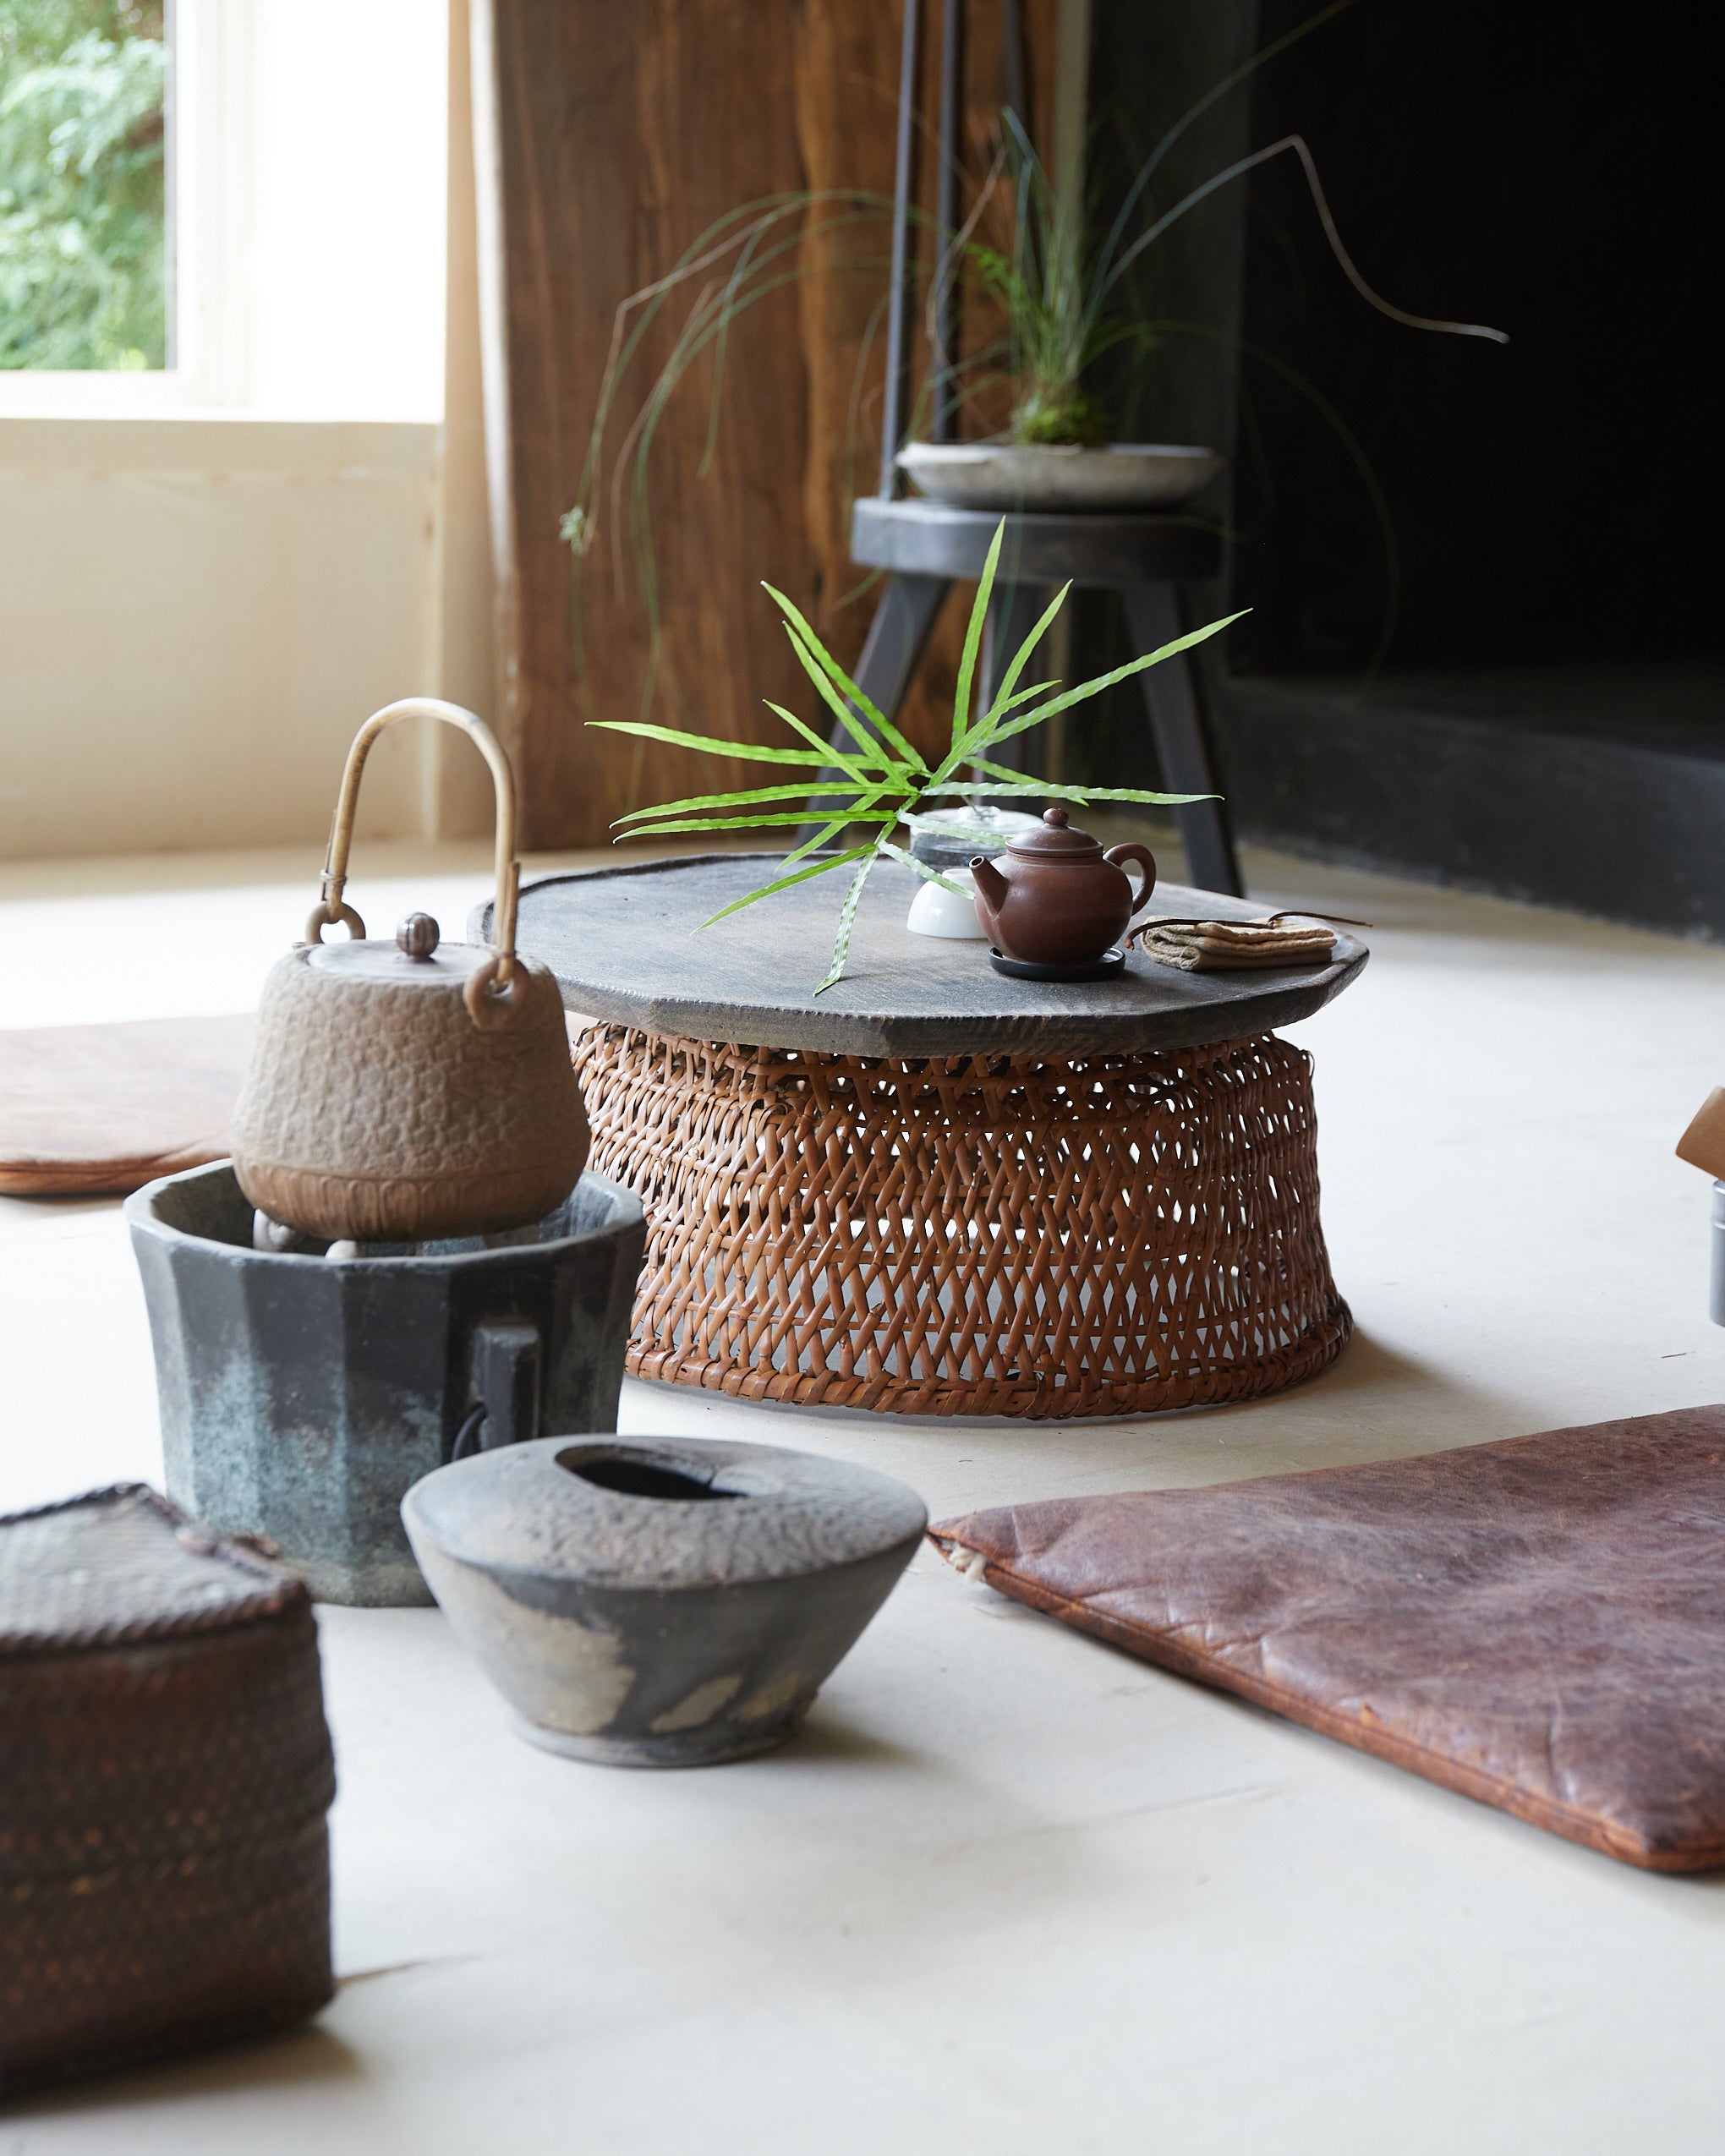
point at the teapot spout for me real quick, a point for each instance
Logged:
(991, 889)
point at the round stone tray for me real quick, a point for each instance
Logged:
(627, 946)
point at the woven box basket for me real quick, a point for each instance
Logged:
(165, 1773)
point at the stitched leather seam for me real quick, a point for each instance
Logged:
(1378, 1740)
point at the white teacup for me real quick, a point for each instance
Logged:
(936, 911)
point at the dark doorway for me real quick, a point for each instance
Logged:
(1552, 173)
(1521, 687)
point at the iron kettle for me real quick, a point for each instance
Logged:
(410, 1091)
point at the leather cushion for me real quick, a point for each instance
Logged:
(1538, 1623)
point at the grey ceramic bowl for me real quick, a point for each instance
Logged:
(660, 1602)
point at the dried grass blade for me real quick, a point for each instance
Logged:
(1085, 690)
(843, 683)
(847, 918)
(784, 882)
(749, 752)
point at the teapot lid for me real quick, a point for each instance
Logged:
(413, 958)
(1056, 836)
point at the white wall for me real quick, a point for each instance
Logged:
(199, 607)
(196, 615)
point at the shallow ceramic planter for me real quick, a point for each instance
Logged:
(660, 1602)
(301, 1395)
(1125, 475)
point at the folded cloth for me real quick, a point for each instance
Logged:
(1207, 946)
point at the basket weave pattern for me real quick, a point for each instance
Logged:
(165, 1770)
(970, 1234)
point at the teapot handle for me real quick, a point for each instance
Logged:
(331, 907)
(1146, 860)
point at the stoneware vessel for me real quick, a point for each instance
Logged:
(660, 1602)
(402, 1091)
(301, 1394)
(1056, 899)
(1122, 475)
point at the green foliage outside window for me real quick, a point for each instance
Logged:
(83, 204)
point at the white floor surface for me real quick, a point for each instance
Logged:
(1010, 1892)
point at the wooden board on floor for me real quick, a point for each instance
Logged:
(91, 1111)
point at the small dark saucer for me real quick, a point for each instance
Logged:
(1112, 961)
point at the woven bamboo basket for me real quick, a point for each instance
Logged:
(164, 1862)
(970, 1234)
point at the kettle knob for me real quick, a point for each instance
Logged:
(417, 936)
(1056, 819)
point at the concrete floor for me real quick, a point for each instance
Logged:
(1010, 1892)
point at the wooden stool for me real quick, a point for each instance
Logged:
(925, 548)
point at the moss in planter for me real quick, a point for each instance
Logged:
(1067, 417)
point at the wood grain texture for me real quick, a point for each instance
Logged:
(89, 1111)
(607, 140)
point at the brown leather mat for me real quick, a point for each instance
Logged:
(1539, 1623)
(92, 1110)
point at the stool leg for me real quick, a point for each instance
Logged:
(1013, 613)
(892, 651)
(1182, 740)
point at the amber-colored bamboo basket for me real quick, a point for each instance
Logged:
(970, 1234)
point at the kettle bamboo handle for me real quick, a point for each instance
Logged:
(331, 907)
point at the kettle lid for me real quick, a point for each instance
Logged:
(1056, 836)
(417, 958)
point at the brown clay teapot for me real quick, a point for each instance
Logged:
(1055, 898)
(406, 1091)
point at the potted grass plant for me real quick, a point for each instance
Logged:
(1057, 280)
(1061, 286)
(1052, 287)
(857, 796)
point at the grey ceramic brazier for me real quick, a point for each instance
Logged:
(660, 1602)
(301, 1395)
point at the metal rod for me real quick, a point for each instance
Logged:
(1012, 25)
(895, 409)
(943, 420)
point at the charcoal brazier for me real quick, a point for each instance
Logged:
(301, 1395)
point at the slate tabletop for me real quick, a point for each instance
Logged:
(627, 946)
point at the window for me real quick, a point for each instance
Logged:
(85, 281)
(296, 149)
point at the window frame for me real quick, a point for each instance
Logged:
(207, 181)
